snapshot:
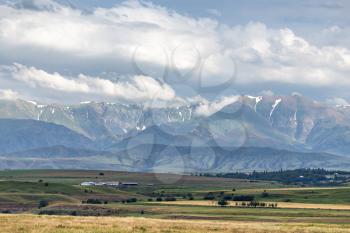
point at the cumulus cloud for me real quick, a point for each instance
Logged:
(137, 38)
(8, 94)
(206, 108)
(137, 89)
(337, 102)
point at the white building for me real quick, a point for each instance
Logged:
(87, 183)
(109, 183)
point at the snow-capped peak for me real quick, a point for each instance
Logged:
(32, 102)
(257, 100)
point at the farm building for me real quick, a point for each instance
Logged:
(109, 183)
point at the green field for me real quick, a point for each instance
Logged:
(21, 192)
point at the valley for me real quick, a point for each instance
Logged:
(55, 198)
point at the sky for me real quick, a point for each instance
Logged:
(173, 52)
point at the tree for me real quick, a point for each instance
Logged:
(131, 200)
(190, 196)
(264, 194)
(209, 196)
(222, 202)
(94, 201)
(228, 197)
(43, 203)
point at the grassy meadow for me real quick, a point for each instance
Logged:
(146, 207)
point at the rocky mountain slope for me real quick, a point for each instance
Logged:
(292, 125)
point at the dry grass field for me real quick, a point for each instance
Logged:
(56, 224)
(287, 205)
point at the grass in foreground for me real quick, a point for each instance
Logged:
(50, 224)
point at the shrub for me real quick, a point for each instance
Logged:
(101, 174)
(222, 202)
(209, 196)
(46, 184)
(170, 199)
(93, 201)
(272, 205)
(150, 199)
(43, 203)
(159, 199)
(262, 204)
(264, 194)
(131, 200)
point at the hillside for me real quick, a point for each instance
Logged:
(264, 132)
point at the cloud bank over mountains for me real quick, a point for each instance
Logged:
(136, 89)
(139, 51)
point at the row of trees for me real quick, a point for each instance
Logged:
(304, 175)
(251, 204)
(212, 196)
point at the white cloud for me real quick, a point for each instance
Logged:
(106, 39)
(206, 108)
(214, 12)
(8, 94)
(267, 92)
(137, 89)
(281, 56)
(337, 102)
(295, 93)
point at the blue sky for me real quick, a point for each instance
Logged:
(182, 49)
(276, 13)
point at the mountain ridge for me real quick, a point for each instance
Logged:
(291, 123)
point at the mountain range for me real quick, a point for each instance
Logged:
(250, 133)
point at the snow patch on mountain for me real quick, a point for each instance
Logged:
(32, 102)
(207, 108)
(277, 102)
(257, 99)
(141, 128)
